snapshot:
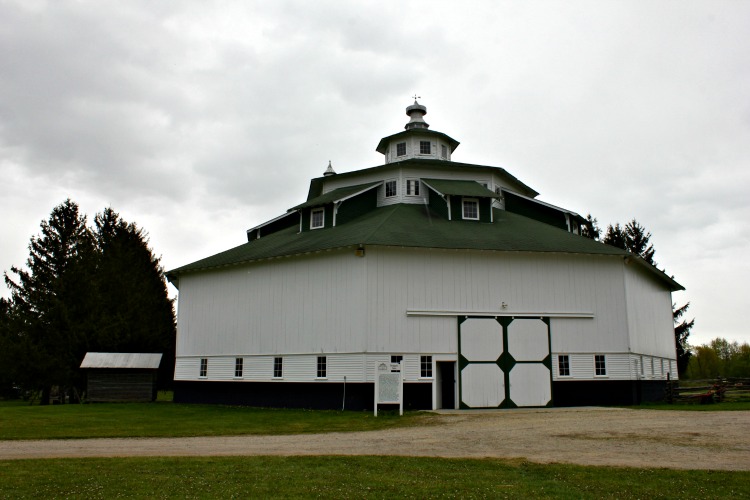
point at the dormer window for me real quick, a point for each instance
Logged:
(424, 147)
(401, 149)
(390, 188)
(412, 187)
(317, 218)
(471, 208)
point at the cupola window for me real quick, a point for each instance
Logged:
(401, 149)
(424, 147)
(444, 151)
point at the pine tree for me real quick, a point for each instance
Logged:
(134, 313)
(637, 241)
(681, 334)
(590, 229)
(615, 236)
(52, 303)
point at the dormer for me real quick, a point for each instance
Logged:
(417, 140)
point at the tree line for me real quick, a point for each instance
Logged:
(719, 358)
(84, 289)
(634, 238)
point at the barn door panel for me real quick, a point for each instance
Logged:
(504, 362)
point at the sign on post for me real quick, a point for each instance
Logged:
(389, 385)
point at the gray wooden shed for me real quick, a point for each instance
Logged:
(121, 376)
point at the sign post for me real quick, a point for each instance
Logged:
(389, 385)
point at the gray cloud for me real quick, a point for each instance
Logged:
(198, 121)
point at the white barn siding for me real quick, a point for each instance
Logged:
(649, 314)
(354, 311)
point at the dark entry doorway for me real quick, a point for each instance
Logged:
(446, 384)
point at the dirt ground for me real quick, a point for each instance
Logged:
(587, 436)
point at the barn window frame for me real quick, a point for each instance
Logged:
(444, 152)
(600, 365)
(470, 208)
(425, 147)
(317, 218)
(412, 187)
(563, 365)
(278, 367)
(239, 365)
(322, 368)
(401, 149)
(396, 359)
(391, 188)
(425, 367)
(203, 371)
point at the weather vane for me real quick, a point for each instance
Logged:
(417, 97)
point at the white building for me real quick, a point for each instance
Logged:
(490, 297)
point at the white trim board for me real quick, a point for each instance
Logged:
(534, 314)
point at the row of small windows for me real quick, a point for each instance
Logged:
(600, 365)
(278, 367)
(321, 368)
(425, 148)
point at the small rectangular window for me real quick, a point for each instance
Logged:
(204, 368)
(563, 365)
(401, 149)
(321, 373)
(278, 367)
(425, 366)
(238, 364)
(600, 365)
(390, 188)
(444, 151)
(317, 218)
(643, 367)
(424, 147)
(412, 187)
(652, 367)
(471, 209)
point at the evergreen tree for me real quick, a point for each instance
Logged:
(134, 313)
(615, 236)
(637, 241)
(83, 290)
(590, 229)
(681, 334)
(52, 303)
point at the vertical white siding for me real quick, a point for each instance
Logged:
(649, 314)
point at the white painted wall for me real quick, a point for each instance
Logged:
(649, 313)
(335, 303)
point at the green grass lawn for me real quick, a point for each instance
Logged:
(353, 477)
(22, 421)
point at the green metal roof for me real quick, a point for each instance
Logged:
(316, 184)
(336, 195)
(459, 188)
(416, 226)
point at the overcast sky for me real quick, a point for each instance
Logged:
(198, 120)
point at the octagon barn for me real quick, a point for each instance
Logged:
(490, 297)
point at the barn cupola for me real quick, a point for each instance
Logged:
(417, 141)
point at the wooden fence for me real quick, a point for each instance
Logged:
(708, 391)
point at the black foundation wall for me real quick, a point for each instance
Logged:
(607, 392)
(319, 396)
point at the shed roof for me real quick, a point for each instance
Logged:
(459, 188)
(336, 195)
(136, 360)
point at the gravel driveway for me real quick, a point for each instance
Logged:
(587, 436)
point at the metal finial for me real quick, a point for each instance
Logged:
(417, 97)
